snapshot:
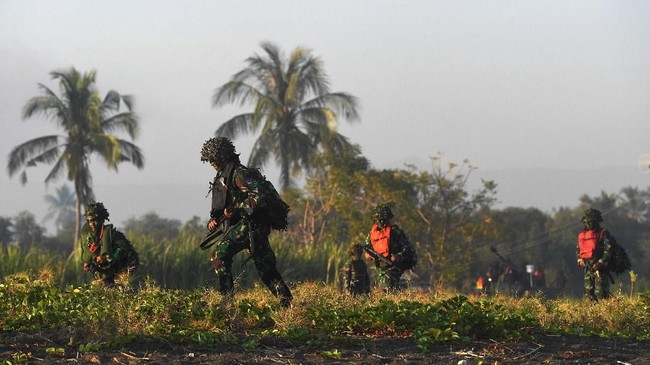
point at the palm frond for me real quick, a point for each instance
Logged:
(27, 151)
(343, 104)
(127, 122)
(131, 153)
(56, 170)
(112, 101)
(49, 105)
(239, 124)
(236, 92)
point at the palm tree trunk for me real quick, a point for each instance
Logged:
(77, 221)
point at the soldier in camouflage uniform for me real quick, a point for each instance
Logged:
(105, 251)
(390, 241)
(593, 253)
(236, 199)
(355, 273)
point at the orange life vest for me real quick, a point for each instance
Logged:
(379, 239)
(587, 241)
(479, 283)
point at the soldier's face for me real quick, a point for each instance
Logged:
(94, 223)
(590, 224)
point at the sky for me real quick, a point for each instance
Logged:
(551, 99)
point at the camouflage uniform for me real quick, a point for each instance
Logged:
(238, 189)
(596, 278)
(355, 273)
(398, 248)
(106, 252)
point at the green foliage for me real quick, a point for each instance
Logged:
(291, 106)
(91, 318)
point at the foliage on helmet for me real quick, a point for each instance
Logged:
(96, 211)
(382, 213)
(355, 251)
(592, 215)
(218, 150)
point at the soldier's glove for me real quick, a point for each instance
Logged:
(597, 265)
(581, 262)
(86, 267)
(99, 259)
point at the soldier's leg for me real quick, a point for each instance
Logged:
(108, 277)
(601, 286)
(266, 265)
(589, 284)
(226, 282)
(132, 261)
(225, 252)
(393, 275)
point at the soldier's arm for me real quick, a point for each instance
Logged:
(86, 255)
(579, 259)
(607, 247)
(249, 197)
(399, 240)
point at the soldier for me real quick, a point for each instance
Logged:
(389, 241)
(244, 209)
(105, 251)
(356, 278)
(593, 253)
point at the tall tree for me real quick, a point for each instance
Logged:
(293, 107)
(26, 231)
(61, 207)
(6, 233)
(87, 122)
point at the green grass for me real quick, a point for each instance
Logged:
(89, 317)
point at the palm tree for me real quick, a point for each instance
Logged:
(62, 206)
(293, 107)
(87, 122)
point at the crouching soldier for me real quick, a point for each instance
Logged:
(355, 273)
(105, 251)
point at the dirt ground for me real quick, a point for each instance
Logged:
(545, 350)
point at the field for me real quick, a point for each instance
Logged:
(42, 324)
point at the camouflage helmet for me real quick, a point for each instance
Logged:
(218, 150)
(592, 215)
(355, 250)
(96, 211)
(382, 214)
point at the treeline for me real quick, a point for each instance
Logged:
(458, 233)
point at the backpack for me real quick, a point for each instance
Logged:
(619, 261)
(271, 204)
(409, 258)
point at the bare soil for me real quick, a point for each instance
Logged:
(544, 350)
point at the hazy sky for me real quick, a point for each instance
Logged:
(505, 84)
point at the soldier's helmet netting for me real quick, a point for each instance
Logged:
(592, 215)
(355, 251)
(96, 211)
(218, 150)
(382, 214)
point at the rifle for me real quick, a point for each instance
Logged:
(223, 228)
(375, 254)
